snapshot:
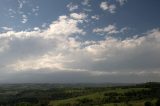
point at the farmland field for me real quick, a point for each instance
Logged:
(79, 95)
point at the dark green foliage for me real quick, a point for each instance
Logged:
(43, 94)
(147, 103)
(84, 100)
(158, 102)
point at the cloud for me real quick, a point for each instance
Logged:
(3, 45)
(12, 13)
(110, 29)
(108, 7)
(121, 2)
(80, 16)
(24, 19)
(55, 53)
(130, 55)
(72, 7)
(45, 61)
(21, 3)
(87, 9)
(86, 3)
(64, 26)
(138, 55)
(42, 76)
(25, 9)
(7, 28)
(35, 10)
(36, 28)
(38, 41)
(95, 17)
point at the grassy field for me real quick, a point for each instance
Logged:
(79, 95)
(100, 98)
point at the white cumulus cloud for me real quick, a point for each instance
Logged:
(72, 7)
(110, 29)
(108, 7)
(80, 16)
(57, 50)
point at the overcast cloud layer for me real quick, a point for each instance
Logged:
(56, 53)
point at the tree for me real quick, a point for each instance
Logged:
(158, 102)
(147, 104)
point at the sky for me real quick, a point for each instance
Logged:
(79, 41)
